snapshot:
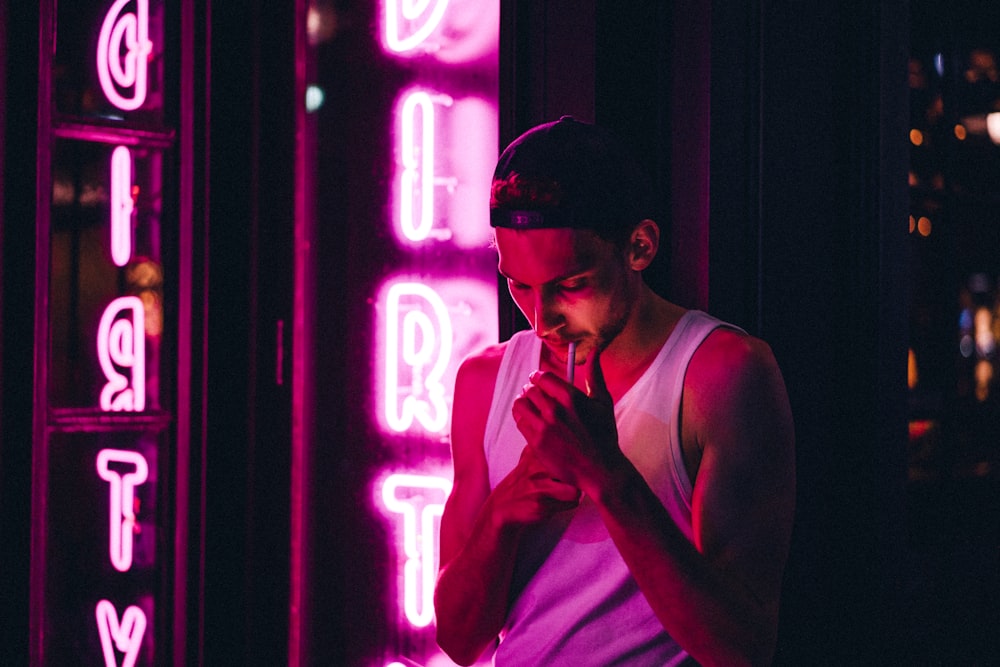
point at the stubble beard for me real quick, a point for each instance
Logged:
(607, 333)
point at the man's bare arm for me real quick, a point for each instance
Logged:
(718, 597)
(480, 529)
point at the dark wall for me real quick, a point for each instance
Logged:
(249, 160)
(831, 300)
(780, 130)
(601, 62)
(18, 35)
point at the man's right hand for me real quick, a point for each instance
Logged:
(529, 494)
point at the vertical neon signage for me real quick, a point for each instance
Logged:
(125, 635)
(123, 75)
(122, 63)
(418, 180)
(419, 499)
(109, 160)
(430, 316)
(121, 352)
(409, 23)
(121, 344)
(121, 206)
(418, 340)
(121, 512)
(123, 470)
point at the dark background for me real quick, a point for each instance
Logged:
(779, 132)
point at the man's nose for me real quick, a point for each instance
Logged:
(547, 317)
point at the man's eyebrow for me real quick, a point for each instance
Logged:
(508, 277)
(558, 279)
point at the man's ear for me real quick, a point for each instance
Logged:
(643, 245)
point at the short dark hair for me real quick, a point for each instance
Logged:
(568, 173)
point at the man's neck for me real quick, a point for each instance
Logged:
(634, 349)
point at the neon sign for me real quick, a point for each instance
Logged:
(408, 23)
(125, 635)
(121, 343)
(121, 205)
(425, 330)
(420, 500)
(123, 71)
(97, 577)
(121, 513)
(445, 142)
(418, 338)
(449, 32)
(418, 179)
(428, 124)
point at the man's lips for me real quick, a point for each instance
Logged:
(560, 346)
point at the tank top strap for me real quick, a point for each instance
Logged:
(521, 356)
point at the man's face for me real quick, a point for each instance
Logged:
(570, 284)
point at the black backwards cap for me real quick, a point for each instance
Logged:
(571, 174)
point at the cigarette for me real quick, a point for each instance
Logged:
(571, 362)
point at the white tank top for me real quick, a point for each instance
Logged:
(574, 601)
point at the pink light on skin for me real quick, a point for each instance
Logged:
(116, 70)
(121, 496)
(126, 635)
(418, 338)
(121, 342)
(420, 500)
(408, 24)
(417, 152)
(121, 206)
(437, 659)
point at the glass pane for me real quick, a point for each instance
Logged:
(955, 206)
(106, 285)
(104, 558)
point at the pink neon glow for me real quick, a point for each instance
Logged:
(121, 206)
(464, 32)
(444, 306)
(121, 342)
(446, 148)
(124, 71)
(418, 339)
(420, 500)
(417, 148)
(408, 23)
(126, 635)
(121, 515)
(424, 330)
(468, 141)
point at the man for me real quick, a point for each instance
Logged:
(642, 514)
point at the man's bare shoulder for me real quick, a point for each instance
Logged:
(473, 393)
(730, 350)
(477, 376)
(481, 367)
(733, 379)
